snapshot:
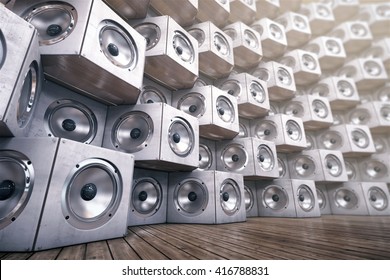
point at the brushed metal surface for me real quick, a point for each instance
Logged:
(129, 9)
(216, 11)
(297, 28)
(182, 11)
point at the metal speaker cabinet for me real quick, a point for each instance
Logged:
(347, 199)
(247, 48)
(251, 94)
(149, 192)
(153, 92)
(182, 11)
(273, 37)
(352, 169)
(207, 154)
(170, 50)
(88, 196)
(242, 10)
(375, 168)
(381, 143)
(160, 137)
(244, 126)
(377, 198)
(216, 58)
(267, 8)
(251, 157)
(305, 198)
(284, 172)
(297, 28)
(129, 9)
(285, 131)
(374, 114)
(377, 17)
(24, 177)
(66, 114)
(88, 47)
(216, 11)
(343, 10)
(250, 194)
(320, 15)
(280, 80)
(323, 199)
(311, 142)
(21, 74)
(215, 110)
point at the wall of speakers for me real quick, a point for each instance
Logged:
(376, 15)
(182, 11)
(323, 199)
(129, 9)
(215, 11)
(170, 49)
(377, 198)
(88, 47)
(149, 192)
(160, 137)
(66, 114)
(320, 15)
(20, 69)
(153, 92)
(250, 194)
(296, 27)
(207, 154)
(242, 10)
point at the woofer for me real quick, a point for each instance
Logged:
(234, 157)
(331, 140)
(257, 91)
(377, 198)
(284, 77)
(346, 198)
(304, 166)
(375, 169)
(372, 68)
(345, 88)
(146, 196)
(191, 197)
(385, 112)
(265, 158)
(249, 198)
(151, 32)
(266, 130)
(205, 157)
(305, 198)
(221, 44)
(230, 197)
(250, 39)
(275, 198)
(309, 62)
(299, 22)
(333, 46)
(360, 138)
(192, 103)
(321, 90)
(320, 109)
(359, 30)
(225, 109)
(360, 116)
(232, 87)
(150, 94)
(181, 137)
(282, 168)
(293, 130)
(321, 199)
(183, 47)
(333, 165)
(294, 108)
(276, 31)
(198, 34)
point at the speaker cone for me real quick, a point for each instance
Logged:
(191, 197)
(181, 137)
(321, 90)
(384, 94)
(249, 198)
(16, 184)
(225, 109)
(284, 76)
(323, 11)
(294, 108)
(3, 49)
(385, 112)
(304, 166)
(221, 44)
(275, 31)
(132, 132)
(310, 143)
(309, 62)
(333, 46)
(232, 87)
(383, 11)
(293, 130)
(333, 165)
(377, 198)
(346, 198)
(320, 109)
(230, 197)
(150, 32)
(372, 68)
(262, 74)
(305, 198)
(192, 103)
(331, 140)
(257, 91)
(72, 120)
(183, 47)
(234, 157)
(299, 22)
(250, 39)
(199, 35)
(231, 33)
(265, 158)
(380, 144)
(360, 116)
(350, 170)
(321, 199)
(375, 169)
(360, 138)
(266, 130)
(345, 88)
(275, 198)
(282, 168)
(91, 194)
(151, 94)
(359, 30)
(205, 157)
(146, 196)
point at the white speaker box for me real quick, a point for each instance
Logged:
(320, 15)
(323, 199)
(347, 199)
(379, 49)
(129, 9)
(182, 11)
(207, 154)
(215, 11)
(242, 10)
(297, 28)
(375, 168)
(305, 198)
(377, 198)
(153, 92)
(250, 194)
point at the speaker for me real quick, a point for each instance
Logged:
(152, 92)
(129, 9)
(381, 143)
(296, 27)
(377, 17)
(251, 94)
(24, 177)
(280, 80)
(267, 8)
(284, 172)
(323, 199)
(66, 114)
(215, 110)
(338, 117)
(247, 48)
(88, 47)
(149, 192)
(250, 195)
(285, 131)
(216, 57)
(242, 10)
(347, 199)
(321, 17)
(244, 128)
(351, 140)
(181, 11)
(206, 197)
(382, 94)
(340, 91)
(273, 37)
(20, 71)
(311, 142)
(375, 168)
(314, 111)
(305, 198)
(159, 136)
(88, 196)
(352, 169)
(343, 10)
(216, 11)
(207, 154)
(253, 158)
(377, 198)
(379, 49)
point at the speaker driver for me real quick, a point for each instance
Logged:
(262, 74)
(198, 34)
(346, 198)
(321, 90)
(372, 68)
(230, 197)
(193, 104)
(151, 94)
(306, 198)
(54, 22)
(72, 120)
(266, 130)
(150, 32)
(16, 184)
(250, 39)
(191, 197)
(360, 138)
(91, 194)
(234, 157)
(282, 168)
(221, 44)
(320, 109)
(132, 132)
(293, 130)
(333, 165)
(333, 46)
(181, 137)
(232, 87)
(304, 166)
(321, 199)
(309, 62)
(375, 169)
(183, 47)
(323, 11)
(380, 145)
(275, 31)
(265, 158)
(3, 49)
(383, 11)
(299, 22)
(257, 91)
(28, 96)
(243, 131)
(331, 140)
(275, 198)
(205, 157)
(384, 94)
(385, 112)
(225, 109)
(309, 142)
(350, 170)
(377, 198)
(294, 108)
(359, 30)
(117, 45)
(345, 88)
(249, 199)
(360, 116)
(284, 76)
(146, 196)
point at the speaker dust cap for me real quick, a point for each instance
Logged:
(377, 198)
(181, 137)
(192, 103)
(230, 197)
(275, 197)
(146, 196)
(346, 198)
(305, 197)
(191, 197)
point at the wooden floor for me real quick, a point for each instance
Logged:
(328, 237)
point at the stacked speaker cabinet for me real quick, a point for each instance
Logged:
(305, 198)
(152, 92)
(297, 28)
(375, 168)
(182, 11)
(250, 193)
(129, 9)
(377, 17)
(320, 15)
(347, 199)
(160, 137)
(20, 71)
(148, 204)
(216, 11)
(88, 47)
(323, 199)
(377, 198)
(284, 172)
(242, 10)
(207, 154)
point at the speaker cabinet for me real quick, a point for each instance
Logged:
(340, 91)
(215, 110)
(251, 157)
(169, 50)
(152, 92)
(352, 169)
(314, 111)
(285, 131)
(216, 11)
(347, 199)
(380, 49)
(381, 143)
(321, 17)
(375, 168)
(207, 154)
(323, 199)
(343, 10)
(24, 177)
(377, 17)
(182, 11)
(247, 48)
(88, 196)
(206, 197)
(251, 94)
(284, 172)
(377, 198)
(20, 71)
(351, 140)
(244, 126)
(280, 80)
(374, 114)
(88, 47)
(382, 94)
(297, 28)
(250, 194)
(160, 137)
(129, 9)
(149, 192)
(242, 10)
(311, 142)
(267, 8)
(305, 198)
(273, 37)
(66, 114)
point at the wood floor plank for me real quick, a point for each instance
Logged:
(46, 255)
(98, 251)
(121, 250)
(17, 256)
(75, 252)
